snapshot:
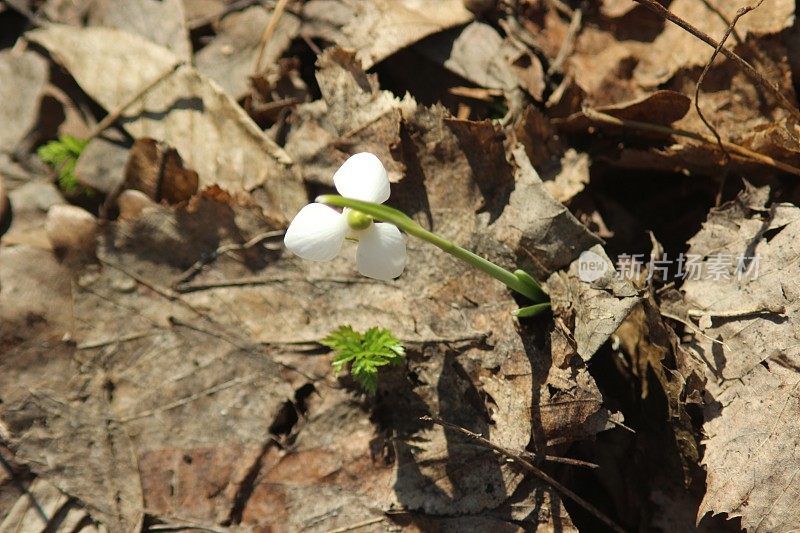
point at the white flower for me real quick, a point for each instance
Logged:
(318, 231)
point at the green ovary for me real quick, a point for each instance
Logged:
(357, 220)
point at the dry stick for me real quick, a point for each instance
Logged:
(740, 151)
(359, 525)
(739, 14)
(746, 67)
(714, 9)
(568, 43)
(527, 465)
(203, 261)
(267, 35)
(188, 399)
(112, 117)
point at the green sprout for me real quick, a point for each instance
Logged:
(364, 352)
(63, 155)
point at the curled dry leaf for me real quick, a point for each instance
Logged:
(30, 203)
(659, 108)
(158, 171)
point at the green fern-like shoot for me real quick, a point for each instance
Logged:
(63, 155)
(364, 352)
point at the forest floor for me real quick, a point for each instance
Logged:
(161, 356)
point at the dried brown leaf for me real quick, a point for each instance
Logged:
(101, 164)
(594, 308)
(380, 28)
(210, 131)
(158, 171)
(660, 62)
(475, 53)
(748, 346)
(162, 22)
(229, 58)
(24, 75)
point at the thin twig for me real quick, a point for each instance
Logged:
(116, 340)
(746, 67)
(267, 35)
(183, 288)
(203, 261)
(740, 151)
(112, 117)
(188, 399)
(739, 14)
(714, 9)
(163, 291)
(739, 313)
(568, 44)
(359, 525)
(691, 326)
(527, 465)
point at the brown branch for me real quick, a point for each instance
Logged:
(746, 67)
(113, 115)
(714, 9)
(568, 44)
(739, 14)
(280, 7)
(527, 465)
(740, 151)
(193, 270)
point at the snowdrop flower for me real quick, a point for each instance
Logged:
(318, 231)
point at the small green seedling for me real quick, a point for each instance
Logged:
(364, 352)
(63, 155)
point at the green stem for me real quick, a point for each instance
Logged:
(523, 285)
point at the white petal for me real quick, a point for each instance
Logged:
(362, 177)
(381, 252)
(316, 233)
